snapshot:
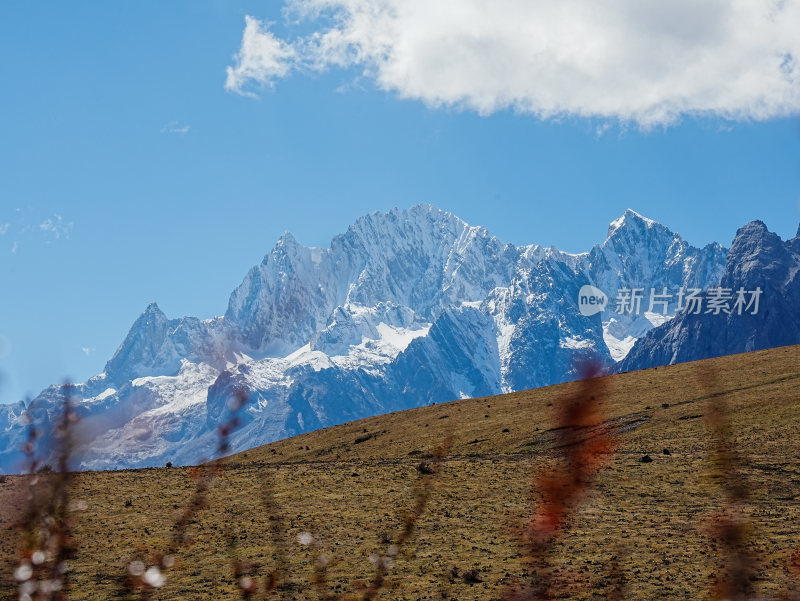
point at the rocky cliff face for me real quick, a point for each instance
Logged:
(758, 260)
(404, 309)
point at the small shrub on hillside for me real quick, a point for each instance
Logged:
(472, 576)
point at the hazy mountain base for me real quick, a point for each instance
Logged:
(653, 516)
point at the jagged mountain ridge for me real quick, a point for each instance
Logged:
(403, 309)
(758, 259)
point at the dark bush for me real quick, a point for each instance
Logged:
(425, 468)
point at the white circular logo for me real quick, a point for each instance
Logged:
(591, 300)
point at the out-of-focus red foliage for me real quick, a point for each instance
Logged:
(730, 526)
(584, 445)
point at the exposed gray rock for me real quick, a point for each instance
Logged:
(758, 259)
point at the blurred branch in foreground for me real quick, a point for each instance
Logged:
(583, 445)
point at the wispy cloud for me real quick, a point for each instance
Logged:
(25, 229)
(55, 227)
(261, 59)
(87, 350)
(601, 129)
(174, 127)
(625, 60)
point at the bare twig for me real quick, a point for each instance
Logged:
(275, 578)
(384, 562)
(145, 578)
(46, 525)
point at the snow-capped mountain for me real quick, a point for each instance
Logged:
(403, 309)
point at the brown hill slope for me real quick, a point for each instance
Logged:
(349, 486)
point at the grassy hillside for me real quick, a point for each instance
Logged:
(350, 485)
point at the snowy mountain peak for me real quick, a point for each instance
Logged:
(141, 346)
(631, 219)
(287, 239)
(153, 310)
(151, 318)
(633, 237)
(287, 254)
(415, 225)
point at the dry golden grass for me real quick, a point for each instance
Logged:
(652, 517)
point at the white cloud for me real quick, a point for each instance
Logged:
(87, 350)
(24, 230)
(174, 127)
(56, 227)
(626, 60)
(261, 58)
(602, 129)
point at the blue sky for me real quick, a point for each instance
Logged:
(130, 172)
